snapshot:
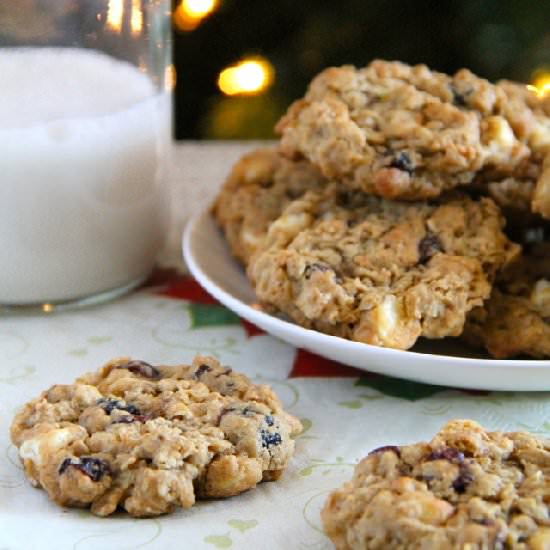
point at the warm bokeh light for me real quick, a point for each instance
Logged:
(248, 77)
(170, 77)
(115, 13)
(136, 18)
(189, 13)
(198, 8)
(541, 84)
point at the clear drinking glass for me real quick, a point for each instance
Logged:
(85, 130)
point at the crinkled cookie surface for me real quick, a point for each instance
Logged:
(380, 272)
(407, 132)
(466, 489)
(260, 185)
(516, 318)
(148, 439)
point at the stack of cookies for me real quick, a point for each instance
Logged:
(402, 203)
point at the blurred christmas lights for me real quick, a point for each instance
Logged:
(170, 77)
(248, 77)
(136, 18)
(190, 13)
(541, 84)
(115, 13)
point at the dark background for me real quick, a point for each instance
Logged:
(494, 38)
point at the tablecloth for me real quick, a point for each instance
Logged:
(345, 412)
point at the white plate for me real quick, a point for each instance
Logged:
(435, 362)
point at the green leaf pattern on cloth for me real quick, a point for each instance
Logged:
(242, 525)
(211, 315)
(219, 541)
(403, 389)
(16, 374)
(344, 419)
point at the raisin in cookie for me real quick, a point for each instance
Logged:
(148, 439)
(380, 272)
(466, 488)
(259, 186)
(516, 318)
(404, 132)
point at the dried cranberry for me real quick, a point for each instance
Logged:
(402, 162)
(458, 99)
(428, 247)
(201, 370)
(383, 449)
(450, 454)
(225, 372)
(94, 468)
(129, 419)
(109, 405)
(484, 521)
(310, 268)
(141, 368)
(270, 439)
(463, 479)
(64, 465)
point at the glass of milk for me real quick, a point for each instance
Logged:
(85, 131)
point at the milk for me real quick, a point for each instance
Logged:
(82, 203)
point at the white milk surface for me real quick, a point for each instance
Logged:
(82, 198)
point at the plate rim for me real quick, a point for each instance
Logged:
(231, 301)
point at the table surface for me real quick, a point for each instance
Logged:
(345, 412)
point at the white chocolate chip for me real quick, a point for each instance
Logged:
(291, 222)
(387, 316)
(35, 448)
(499, 134)
(30, 450)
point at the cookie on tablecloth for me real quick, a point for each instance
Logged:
(148, 439)
(381, 272)
(256, 191)
(466, 488)
(407, 132)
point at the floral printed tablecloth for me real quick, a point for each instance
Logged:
(345, 414)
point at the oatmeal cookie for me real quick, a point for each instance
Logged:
(516, 318)
(528, 113)
(512, 191)
(466, 488)
(405, 132)
(525, 189)
(529, 116)
(256, 191)
(380, 272)
(150, 438)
